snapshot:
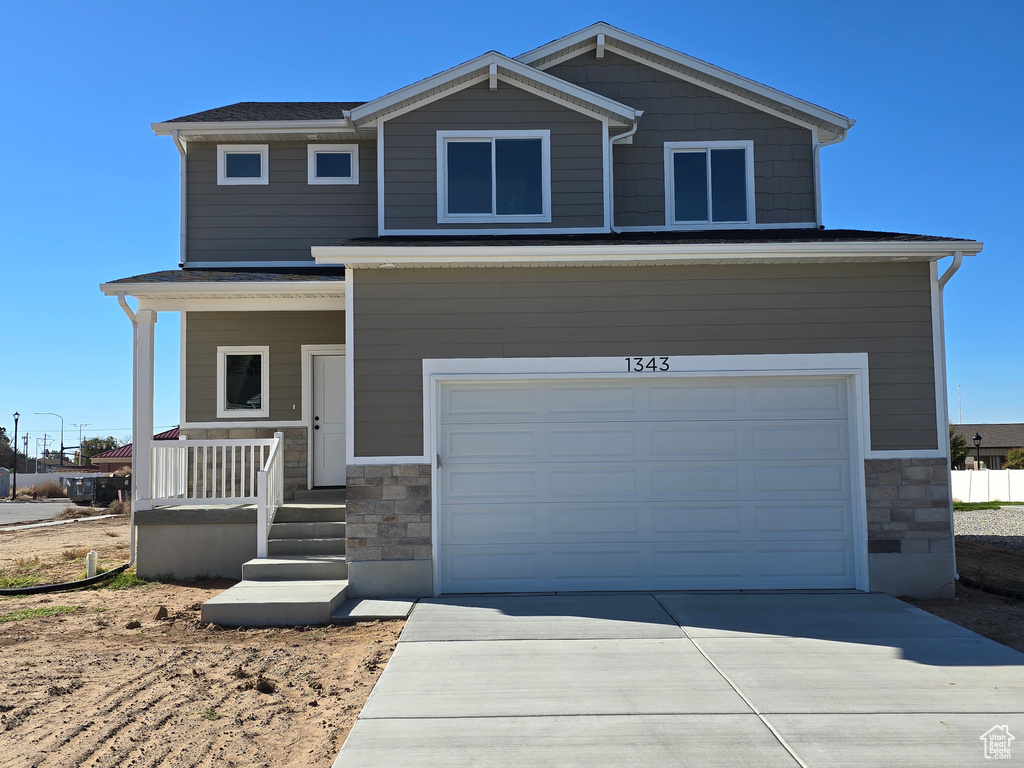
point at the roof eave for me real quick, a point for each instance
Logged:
(631, 255)
(251, 126)
(240, 289)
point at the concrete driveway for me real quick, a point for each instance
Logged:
(847, 679)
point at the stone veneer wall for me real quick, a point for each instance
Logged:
(387, 514)
(295, 449)
(908, 506)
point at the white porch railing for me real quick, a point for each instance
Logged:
(204, 473)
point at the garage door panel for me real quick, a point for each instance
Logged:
(472, 522)
(827, 565)
(597, 483)
(586, 399)
(808, 520)
(491, 484)
(696, 519)
(483, 444)
(471, 401)
(693, 399)
(672, 480)
(587, 521)
(688, 441)
(822, 399)
(819, 480)
(586, 441)
(704, 567)
(588, 565)
(826, 439)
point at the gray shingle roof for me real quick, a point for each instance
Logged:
(993, 435)
(658, 238)
(257, 111)
(237, 276)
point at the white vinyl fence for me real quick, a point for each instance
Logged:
(974, 485)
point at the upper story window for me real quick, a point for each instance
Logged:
(243, 382)
(709, 184)
(502, 176)
(242, 164)
(333, 163)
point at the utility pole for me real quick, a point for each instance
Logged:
(79, 441)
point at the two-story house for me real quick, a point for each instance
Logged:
(564, 321)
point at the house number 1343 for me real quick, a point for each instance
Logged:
(646, 364)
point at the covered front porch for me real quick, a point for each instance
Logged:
(262, 414)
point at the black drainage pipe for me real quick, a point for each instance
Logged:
(66, 586)
(991, 589)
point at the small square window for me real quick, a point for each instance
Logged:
(709, 184)
(242, 164)
(501, 176)
(333, 163)
(243, 382)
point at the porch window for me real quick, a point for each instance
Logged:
(243, 382)
(709, 184)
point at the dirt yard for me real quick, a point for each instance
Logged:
(104, 682)
(100, 677)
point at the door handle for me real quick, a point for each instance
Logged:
(317, 426)
(316, 418)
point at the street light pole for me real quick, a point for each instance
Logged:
(977, 449)
(14, 487)
(51, 413)
(80, 441)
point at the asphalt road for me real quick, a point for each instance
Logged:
(13, 512)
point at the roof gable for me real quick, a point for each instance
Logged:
(830, 125)
(501, 68)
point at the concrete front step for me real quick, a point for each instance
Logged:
(297, 568)
(307, 530)
(310, 513)
(321, 495)
(275, 603)
(289, 547)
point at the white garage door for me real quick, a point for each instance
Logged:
(667, 483)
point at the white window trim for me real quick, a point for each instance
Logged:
(243, 413)
(443, 217)
(671, 147)
(351, 149)
(225, 149)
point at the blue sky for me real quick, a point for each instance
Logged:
(90, 195)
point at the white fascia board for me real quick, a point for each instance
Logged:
(842, 122)
(369, 111)
(251, 126)
(298, 289)
(558, 255)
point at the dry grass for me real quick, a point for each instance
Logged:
(48, 489)
(73, 553)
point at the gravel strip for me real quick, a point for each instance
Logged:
(1003, 527)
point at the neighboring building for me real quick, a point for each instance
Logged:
(564, 321)
(120, 457)
(997, 440)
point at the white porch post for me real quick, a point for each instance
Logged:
(142, 409)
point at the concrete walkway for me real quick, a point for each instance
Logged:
(686, 680)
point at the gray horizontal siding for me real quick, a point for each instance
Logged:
(404, 316)
(283, 332)
(675, 110)
(279, 221)
(410, 156)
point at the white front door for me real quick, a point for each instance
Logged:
(328, 420)
(672, 483)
